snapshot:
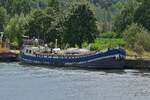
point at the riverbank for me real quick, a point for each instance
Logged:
(133, 61)
(137, 63)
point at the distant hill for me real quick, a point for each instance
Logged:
(105, 10)
(104, 3)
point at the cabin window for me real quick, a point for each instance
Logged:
(27, 51)
(30, 51)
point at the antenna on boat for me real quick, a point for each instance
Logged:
(1, 38)
(56, 43)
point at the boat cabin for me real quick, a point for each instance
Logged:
(30, 50)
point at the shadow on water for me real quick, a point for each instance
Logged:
(133, 72)
(107, 71)
(143, 73)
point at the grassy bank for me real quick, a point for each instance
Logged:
(132, 54)
(102, 43)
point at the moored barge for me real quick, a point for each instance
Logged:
(112, 58)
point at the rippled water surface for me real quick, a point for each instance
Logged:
(24, 82)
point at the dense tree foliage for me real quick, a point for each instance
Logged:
(3, 18)
(142, 15)
(80, 26)
(137, 35)
(137, 38)
(126, 17)
(39, 24)
(15, 29)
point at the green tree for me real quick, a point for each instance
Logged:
(54, 4)
(140, 1)
(57, 27)
(7, 4)
(21, 6)
(15, 29)
(3, 18)
(80, 26)
(126, 17)
(137, 38)
(142, 14)
(40, 25)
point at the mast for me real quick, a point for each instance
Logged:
(1, 38)
(56, 43)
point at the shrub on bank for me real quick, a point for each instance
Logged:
(103, 43)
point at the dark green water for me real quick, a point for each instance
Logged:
(22, 82)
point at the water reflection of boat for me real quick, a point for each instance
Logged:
(37, 54)
(6, 55)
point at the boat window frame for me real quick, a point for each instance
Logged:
(30, 51)
(26, 50)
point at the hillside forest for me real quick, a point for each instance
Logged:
(97, 24)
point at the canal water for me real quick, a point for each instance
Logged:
(25, 82)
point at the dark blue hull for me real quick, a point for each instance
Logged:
(111, 59)
(109, 63)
